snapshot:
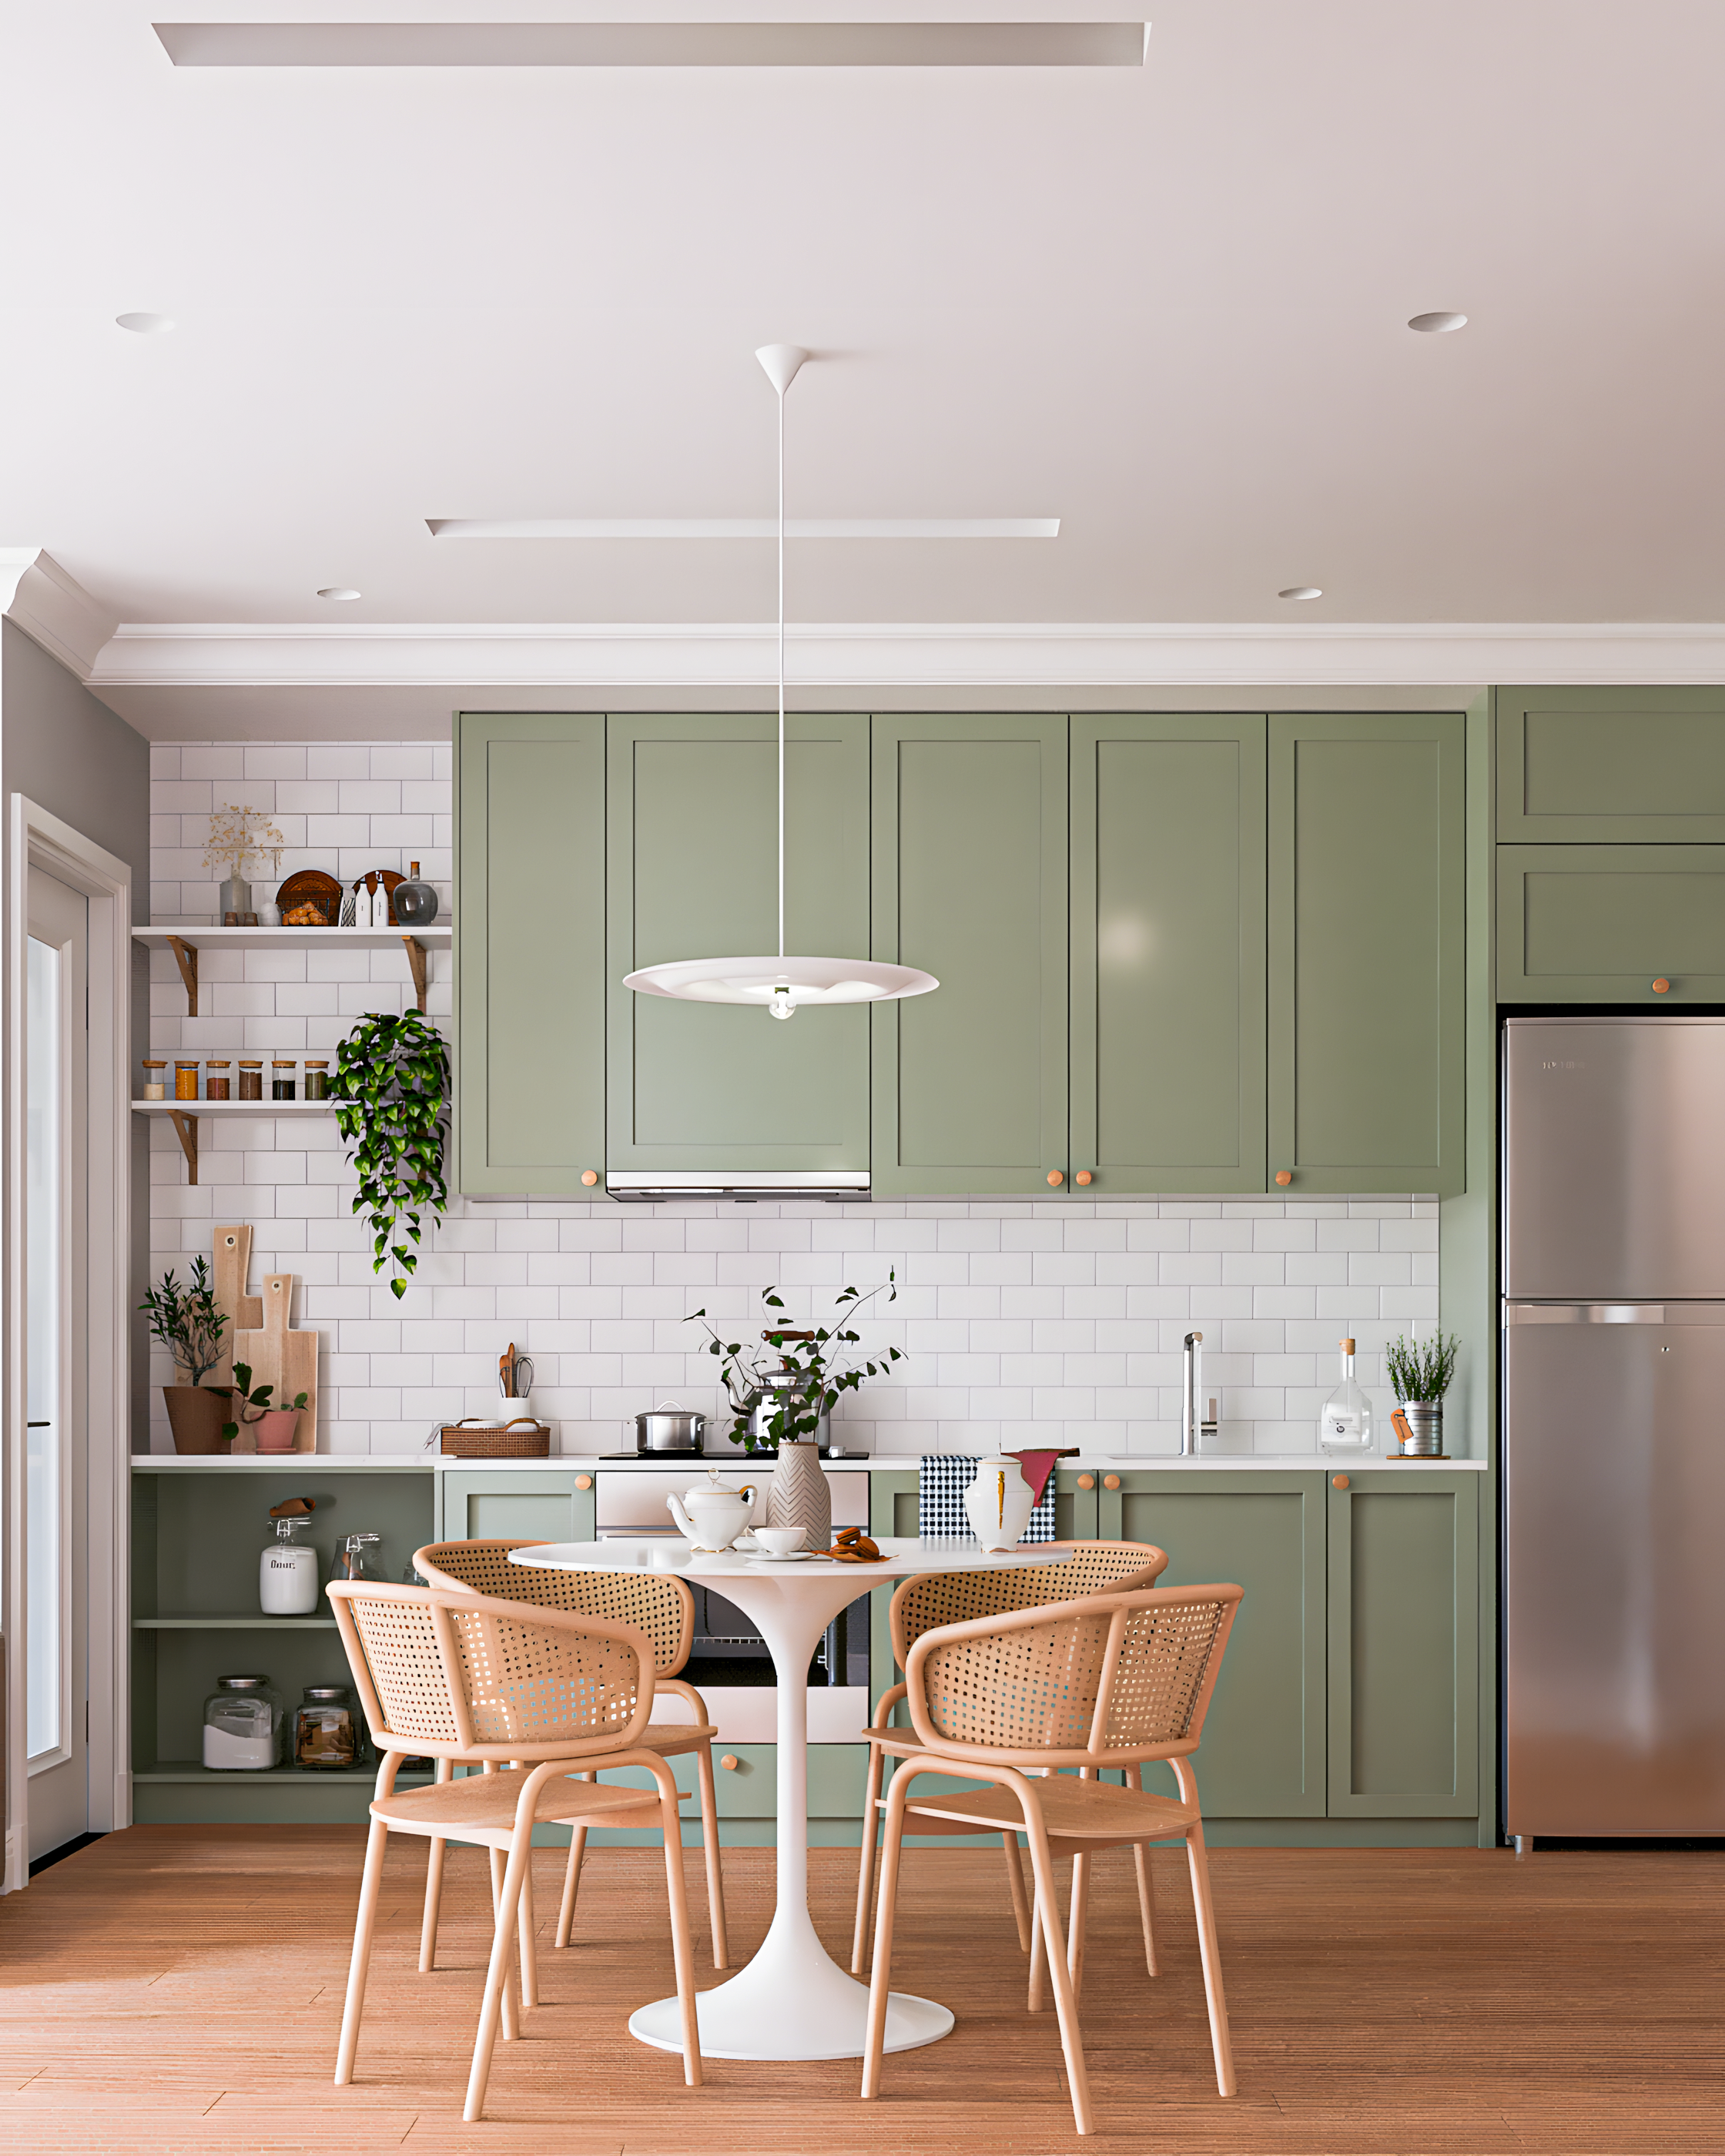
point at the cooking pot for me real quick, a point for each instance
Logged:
(670, 1427)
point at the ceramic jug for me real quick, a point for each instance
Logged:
(711, 1514)
(998, 1504)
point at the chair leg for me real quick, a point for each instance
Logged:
(433, 1884)
(527, 1937)
(1075, 1918)
(495, 2006)
(875, 2042)
(572, 1875)
(1015, 1887)
(1146, 1904)
(682, 1954)
(866, 1860)
(364, 1924)
(710, 1848)
(511, 2018)
(1208, 1949)
(1065, 1999)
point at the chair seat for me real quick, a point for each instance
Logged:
(480, 1806)
(1094, 1813)
(668, 1738)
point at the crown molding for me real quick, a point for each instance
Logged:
(1059, 655)
(53, 609)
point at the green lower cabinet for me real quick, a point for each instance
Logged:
(1601, 924)
(1262, 1753)
(747, 1797)
(488, 1504)
(1404, 1647)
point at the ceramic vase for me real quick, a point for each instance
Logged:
(799, 1495)
(998, 1503)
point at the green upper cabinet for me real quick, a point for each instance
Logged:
(1618, 766)
(1367, 981)
(1601, 924)
(1168, 953)
(693, 813)
(970, 883)
(530, 1005)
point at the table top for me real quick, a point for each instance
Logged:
(905, 1556)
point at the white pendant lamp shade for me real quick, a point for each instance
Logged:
(780, 985)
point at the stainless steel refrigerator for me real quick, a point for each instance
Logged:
(1614, 1447)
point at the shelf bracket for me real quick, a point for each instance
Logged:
(416, 961)
(186, 1130)
(187, 953)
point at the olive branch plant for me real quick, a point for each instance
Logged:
(391, 1095)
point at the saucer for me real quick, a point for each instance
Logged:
(789, 1557)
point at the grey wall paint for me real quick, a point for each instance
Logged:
(70, 755)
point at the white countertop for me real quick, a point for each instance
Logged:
(1100, 1463)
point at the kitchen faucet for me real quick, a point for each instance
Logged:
(1192, 1430)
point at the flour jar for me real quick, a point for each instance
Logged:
(242, 1726)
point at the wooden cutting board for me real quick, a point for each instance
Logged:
(279, 1357)
(232, 1264)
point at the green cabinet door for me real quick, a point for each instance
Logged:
(693, 816)
(970, 852)
(535, 1504)
(1403, 1738)
(1601, 924)
(1610, 765)
(1367, 981)
(530, 952)
(1262, 1752)
(1168, 953)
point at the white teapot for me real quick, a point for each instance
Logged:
(715, 1515)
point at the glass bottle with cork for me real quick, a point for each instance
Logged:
(1345, 1425)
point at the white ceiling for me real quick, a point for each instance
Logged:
(1166, 306)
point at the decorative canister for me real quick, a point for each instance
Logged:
(154, 1086)
(998, 1503)
(242, 1726)
(799, 1495)
(288, 1584)
(326, 1733)
(1425, 1429)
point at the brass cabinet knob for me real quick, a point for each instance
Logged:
(1284, 1177)
(1111, 1481)
(731, 1763)
(589, 1176)
(1340, 1482)
(1083, 1175)
(1056, 1179)
(1086, 1481)
(1662, 986)
(583, 1482)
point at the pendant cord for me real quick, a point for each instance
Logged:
(780, 673)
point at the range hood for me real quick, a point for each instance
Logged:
(833, 1184)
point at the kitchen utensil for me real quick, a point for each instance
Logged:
(671, 1427)
(716, 1514)
(232, 1259)
(286, 1360)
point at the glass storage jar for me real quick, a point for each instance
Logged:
(326, 1732)
(185, 1078)
(155, 1085)
(215, 1080)
(317, 1078)
(251, 1077)
(242, 1726)
(282, 1078)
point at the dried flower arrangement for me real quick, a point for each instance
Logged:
(237, 835)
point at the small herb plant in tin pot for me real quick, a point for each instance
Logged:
(1421, 1372)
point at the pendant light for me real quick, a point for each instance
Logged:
(781, 985)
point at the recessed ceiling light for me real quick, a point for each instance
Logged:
(1437, 325)
(338, 592)
(145, 325)
(1302, 592)
(744, 527)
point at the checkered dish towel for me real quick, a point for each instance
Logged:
(939, 1500)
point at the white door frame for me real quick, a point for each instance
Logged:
(36, 837)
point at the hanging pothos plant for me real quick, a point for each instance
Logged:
(392, 1091)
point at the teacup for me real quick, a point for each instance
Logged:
(780, 1542)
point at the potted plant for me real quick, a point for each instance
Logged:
(189, 1323)
(391, 1091)
(274, 1426)
(1421, 1371)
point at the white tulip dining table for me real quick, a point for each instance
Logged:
(792, 2001)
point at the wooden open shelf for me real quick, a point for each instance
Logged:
(185, 940)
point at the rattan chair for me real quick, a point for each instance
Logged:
(1016, 1701)
(467, 1679)
(948, 1598)
(658, 1604)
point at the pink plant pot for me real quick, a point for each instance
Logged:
(276, 1429)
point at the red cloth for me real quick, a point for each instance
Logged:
(1038, 1466)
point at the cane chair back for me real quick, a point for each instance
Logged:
(658, 1604)
(1112, 1678)
(950, 1598)
(461, 1677)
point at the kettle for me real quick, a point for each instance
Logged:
(719, 1513)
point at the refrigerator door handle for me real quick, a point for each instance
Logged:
(1584, 1313)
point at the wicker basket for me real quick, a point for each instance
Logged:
(517, 1441)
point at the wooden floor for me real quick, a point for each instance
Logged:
(179, 1988)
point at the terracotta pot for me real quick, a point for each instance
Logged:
(275, 1430)
(195, 1415)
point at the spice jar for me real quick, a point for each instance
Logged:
(326, 1733)
(185, 1078)
(155, 1087)
(215, 1088)
(282, 1078)
(251, 1078)
(317, 1078)
(242, 1726)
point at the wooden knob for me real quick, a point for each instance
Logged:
(1086, 1481)
(583, 1482)
(730, 1763)
(1340, 1482)
(1662, 986)
(589, 1176)
(1083, 1176)
(1284, 1176)
(1111, 1481)
(1056, 1178)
